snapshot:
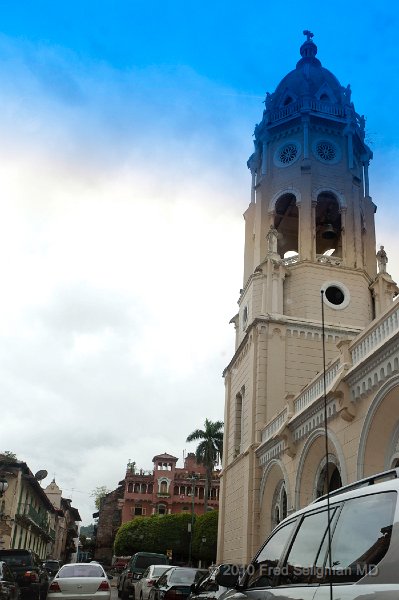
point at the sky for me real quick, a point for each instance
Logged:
(125, 128)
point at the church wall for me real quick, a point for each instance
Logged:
(302, 295)
(235, 497)
(304, 358)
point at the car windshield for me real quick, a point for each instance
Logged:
(159, 569)
(81, 571)
(183, 576)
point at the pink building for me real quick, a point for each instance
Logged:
(167, 489)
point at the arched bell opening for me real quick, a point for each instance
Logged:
(286, 221)
(328, 226)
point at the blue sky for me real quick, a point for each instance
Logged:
(125, 128)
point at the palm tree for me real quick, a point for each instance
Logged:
(209, 450)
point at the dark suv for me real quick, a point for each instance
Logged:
(135, 569)
(29, 573)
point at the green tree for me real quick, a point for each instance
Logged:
(98, 494)
(205, 536)
(157, 533)
(8, 455)
(209, 450)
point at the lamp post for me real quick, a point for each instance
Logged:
(191, 525)
(203, 541)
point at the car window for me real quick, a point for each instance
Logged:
(300, 563)
(146, 573)
(162, 579)
(362, 536)
(16, 560)
(159, 569)
(184, 576)
(7, 575)
(81, 570)
(262, 570)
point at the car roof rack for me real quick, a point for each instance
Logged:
(390, 474)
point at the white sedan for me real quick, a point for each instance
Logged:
(150, 576)
(80, 581)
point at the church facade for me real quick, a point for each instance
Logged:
(310, 257)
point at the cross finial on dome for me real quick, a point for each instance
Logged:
(308, 34)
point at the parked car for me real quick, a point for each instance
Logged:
(80, 581)
(134, 571)
(52, 566)
(28, 572)
(149, 578)
(176, 582)
(295, 561)
(9, 589)
(208, 588)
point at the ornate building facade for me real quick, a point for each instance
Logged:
(309, 244)
(167, 489)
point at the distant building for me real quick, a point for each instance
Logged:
(27, 515)
(109, 520)
(167, 489)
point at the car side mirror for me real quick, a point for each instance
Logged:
(228, 580)
(193, 588)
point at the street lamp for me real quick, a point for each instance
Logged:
(191, 525)
(3, 485)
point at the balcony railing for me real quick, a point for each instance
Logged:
(274, 425)
(316, 388)
(376, 336)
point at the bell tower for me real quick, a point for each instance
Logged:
(309, 227)
(310, 192)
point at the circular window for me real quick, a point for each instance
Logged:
(287, 154)
(336, 295)
(326, 151)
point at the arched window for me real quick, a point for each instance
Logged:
(150, 488)
(163, 488)
(328, 225)
(143, 488)
(201, 493)
(279, 504)
(334, 483)
(136, 488)
(161, 509)
(286, 221)
(176, 490)
(130, 488)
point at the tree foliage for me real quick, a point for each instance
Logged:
(209, 450)
(205, 536)
(98, 494)
(157, 533)
(9, 456)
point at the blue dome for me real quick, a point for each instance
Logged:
(308, 79)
